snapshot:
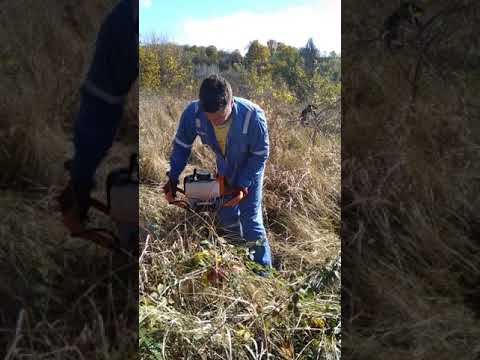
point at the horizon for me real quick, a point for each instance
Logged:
(210, 23)
(158, 39)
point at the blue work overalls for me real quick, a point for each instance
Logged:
(246, 151)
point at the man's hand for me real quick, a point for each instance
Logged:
(170, 190)
(74, 204)
(236, 190)
(244, 190)
(240, 191)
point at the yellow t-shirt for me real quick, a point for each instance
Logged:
(221, 132)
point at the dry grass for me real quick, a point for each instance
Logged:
(188, 312)
(61, 298)
(409, 200)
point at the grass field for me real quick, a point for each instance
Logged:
(60, 298)
(410, 251)
(64, 298)
(188, 312)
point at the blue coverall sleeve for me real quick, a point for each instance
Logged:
(112, 72)
(94, 131)
(258, 151)
(182, 143)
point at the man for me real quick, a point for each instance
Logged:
(113, 70)
(236, 130)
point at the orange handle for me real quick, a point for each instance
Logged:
(235, 200)
(170, 198)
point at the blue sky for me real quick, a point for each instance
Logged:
(233, 24)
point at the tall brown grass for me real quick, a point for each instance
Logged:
(183, 314)
(409, 194)
(59, 295)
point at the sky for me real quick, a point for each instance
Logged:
(233, 24)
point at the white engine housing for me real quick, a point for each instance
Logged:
(202, 190)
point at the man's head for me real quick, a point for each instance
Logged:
(216, 98)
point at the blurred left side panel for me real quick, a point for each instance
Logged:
(69, 179)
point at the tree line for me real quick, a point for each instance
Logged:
(283, 72)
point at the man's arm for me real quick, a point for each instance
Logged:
(259, 151)
(182, 143)
(94, 131)
(112, 72)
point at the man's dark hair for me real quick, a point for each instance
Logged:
(215, 93)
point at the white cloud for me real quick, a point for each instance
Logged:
(146, 3)
(320, 20)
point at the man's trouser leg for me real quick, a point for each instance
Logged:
(245, 222)
(230, 226)
(251, 218)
